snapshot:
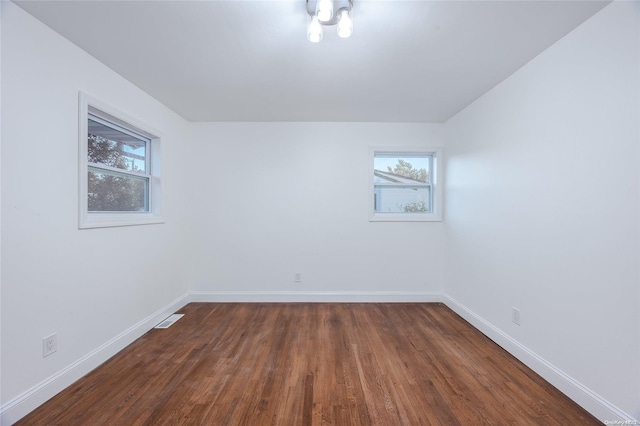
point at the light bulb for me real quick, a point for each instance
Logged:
(314, 30)
(345, 24)
(324, 10)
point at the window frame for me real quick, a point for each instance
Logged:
(436, 174)
(90, 107)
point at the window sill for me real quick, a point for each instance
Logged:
(399, 217)
(109, 220)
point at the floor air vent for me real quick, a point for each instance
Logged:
(169, 321)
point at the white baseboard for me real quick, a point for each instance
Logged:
(583, 396)
(28, 401)
(316, 296)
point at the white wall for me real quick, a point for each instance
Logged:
(542, 209)
(87, 286)
(278, 198)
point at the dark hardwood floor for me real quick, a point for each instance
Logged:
(311, 364)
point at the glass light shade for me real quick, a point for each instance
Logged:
(314, 30)
(345, 24)
(324, 10)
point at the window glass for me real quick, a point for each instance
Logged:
(402, 199)
(113, 192)
(114, 148)
(402, 183)
(405, 167)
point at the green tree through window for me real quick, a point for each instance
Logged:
(406, 169)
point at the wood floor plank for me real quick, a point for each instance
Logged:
(312, 364)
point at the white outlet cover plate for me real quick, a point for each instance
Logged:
(49, 345)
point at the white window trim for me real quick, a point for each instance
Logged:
(436, 186)
(86, 220)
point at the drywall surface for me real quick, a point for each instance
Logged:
(88, 286)
(275, 199)
(542, 209)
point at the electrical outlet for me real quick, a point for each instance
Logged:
(297, 277)
(49, 345)
(515, 315)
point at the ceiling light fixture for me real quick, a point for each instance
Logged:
(324, 10)
(345, 24)
(322, 14)
(314, 30)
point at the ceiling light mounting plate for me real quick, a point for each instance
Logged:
(337, 5)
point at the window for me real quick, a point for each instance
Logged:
(405, 185)
(119, 164)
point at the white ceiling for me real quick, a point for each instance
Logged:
(407, 61)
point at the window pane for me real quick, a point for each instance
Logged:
(111, 147)
(397, 168)
(110, 192)
(402, 199)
